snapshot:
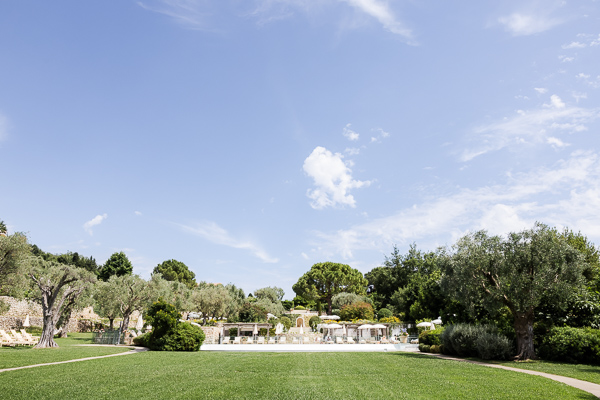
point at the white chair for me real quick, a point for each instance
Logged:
(271, 340)
(261, 340)
(350, 340)
(282, 340)
(237, 340)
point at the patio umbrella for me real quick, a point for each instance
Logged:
(278, 328)
(301, 330)
(379, 326)
(26, 323)
(365, 326)
(140, 323)
(437, 321)
(426, 324)
(255, 331)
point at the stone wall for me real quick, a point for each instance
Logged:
(212, 333)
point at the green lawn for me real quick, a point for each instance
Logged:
(213, 375)
(26, 355)
(590, 373)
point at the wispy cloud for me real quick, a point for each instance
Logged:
(520, 24)
(332, 179)
(190, 14)
(215, 234)
(569, 193)
(529, 127)
(97, 220)
(381, 11)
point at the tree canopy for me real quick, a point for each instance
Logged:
(14, 251)
(516, 272)
(326, 279)
(118, 264)
(173, 270)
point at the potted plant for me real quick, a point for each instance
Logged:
(403, 335)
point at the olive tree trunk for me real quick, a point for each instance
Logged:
(523, 324)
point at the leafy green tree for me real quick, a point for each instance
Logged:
(173, 270)
(59, 288)
(360, 310)
(14, 252)
(212, 301)
(107, 304)
(274, 294)
(3, 230)
(252, 313)
(118, 264)
(326, 279)
(163, 317)
(343, 299)
(515, 272)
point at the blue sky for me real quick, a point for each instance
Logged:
(251, 139)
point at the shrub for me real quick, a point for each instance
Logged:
(384, 313)
(360, 310)
(142, 340)
(184, 337)
(435, 348)
(4, 307)
(431, 337)
(573, 345)
(481, 341)
(286, 322)
(493, 346)
(390, 320)
(299, 308)
(164, 318)
(424, 348)
(233, 331)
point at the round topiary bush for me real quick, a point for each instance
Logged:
(384, 313)
(286, 322)
(299, 308)
(184, 337)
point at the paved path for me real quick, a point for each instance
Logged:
(133, 351)
(589, 387)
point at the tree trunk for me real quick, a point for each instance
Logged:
(329, 304)
(125, 322)
(523, 325)
(47, 337)
(111, 324)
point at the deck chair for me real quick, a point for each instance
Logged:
(20, 338)
(295, 340)
(339, 340)
(10, 341)
(271, 340)
(282, 340)
(225, 340)
(29, 336)
(261, 340)
(384, 340)
(237, 340)
(249, 340)
(350, 340)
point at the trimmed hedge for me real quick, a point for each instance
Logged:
(572, 345)
(185, 337)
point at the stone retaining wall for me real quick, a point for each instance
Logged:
(212, 333)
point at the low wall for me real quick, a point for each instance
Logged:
(212, 334)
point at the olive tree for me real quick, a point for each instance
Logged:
(59, 288)
(14, 252)
(326, 279)
(517, 272)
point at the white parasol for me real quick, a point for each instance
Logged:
(437, 321)
(278, 328)
(26, 323)
(301, 330)
(379, 326)
(255, 331)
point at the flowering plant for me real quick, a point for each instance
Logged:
(403, 332)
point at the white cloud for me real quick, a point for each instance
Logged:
(215, 234)
(350, 134)
(381, 11)
(563, 58)
(524, 24)
(97, 220)
(541, 90)
(530, 127)
(352, 151)
(381, 135)
(332, 178)
(138, 213)
(574, 45)
(556, 142)
(566, 195)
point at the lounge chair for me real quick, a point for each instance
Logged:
(249, 340)
(20, 338)
(282, 340)
(350, 340)
(29, 336)
(237, 340)
(384, 340)
(11, 341)
(362, 341)
(271, 340)
(295, 340)
(339, 340)
(225, 340)
(261, 340)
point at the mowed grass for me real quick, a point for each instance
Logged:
(216, 375)
(590, 373)
(19, 356)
